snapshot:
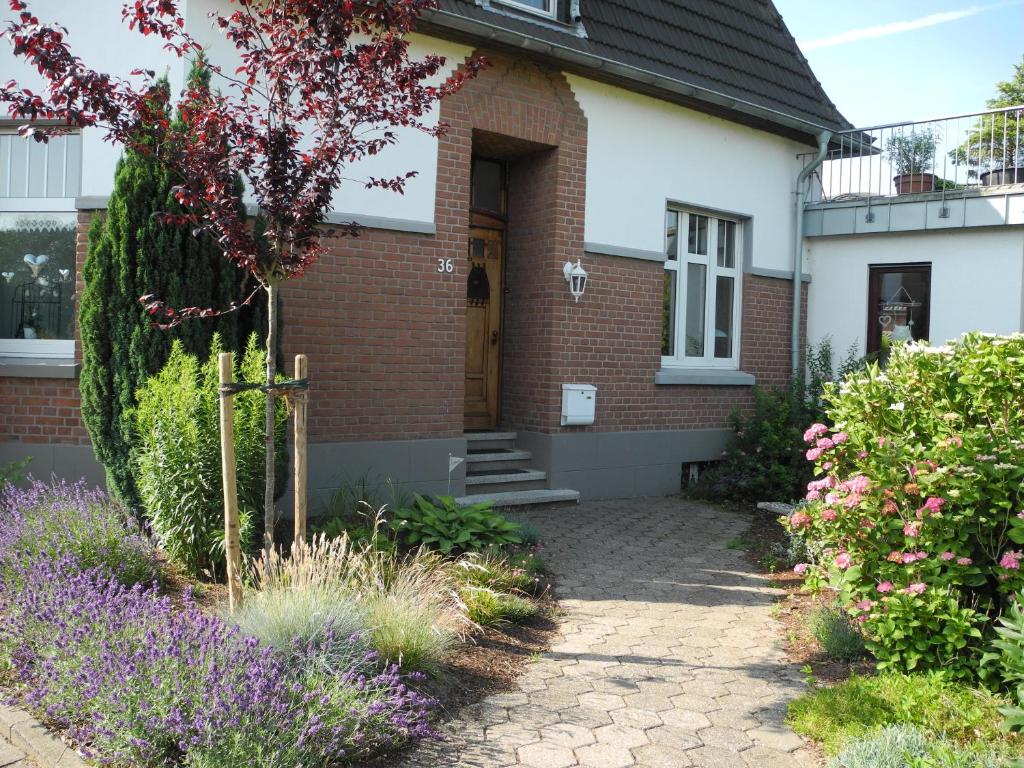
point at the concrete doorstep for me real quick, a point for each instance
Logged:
(28, 742)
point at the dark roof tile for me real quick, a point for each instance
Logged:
(738, 48)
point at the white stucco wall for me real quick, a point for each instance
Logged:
(976, 284)
(98, 36)
(643, 153)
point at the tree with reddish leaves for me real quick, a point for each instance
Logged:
(322, 85)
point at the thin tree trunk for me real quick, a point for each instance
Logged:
(269, 513)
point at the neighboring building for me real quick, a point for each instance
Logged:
(658, 143)
(928, 254)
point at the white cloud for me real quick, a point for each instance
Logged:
(892, 28)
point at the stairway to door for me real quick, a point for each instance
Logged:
(500, 472)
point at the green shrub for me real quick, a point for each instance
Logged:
(178, 457)
(488, 607)
(919, 498)
(764, 460)
(132, 252)
(837, 635)
(1007, 662)
(13, 472)
(450, 527)
(857, 706)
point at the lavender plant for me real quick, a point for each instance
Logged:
(57, 519)
(137, 681)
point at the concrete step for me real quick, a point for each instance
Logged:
(499, 481)
(522, 498)
(496, 460)
(490, 440)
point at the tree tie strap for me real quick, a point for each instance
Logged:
(294, 386)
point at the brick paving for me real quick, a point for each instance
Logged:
(667, 654)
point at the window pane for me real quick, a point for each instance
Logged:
(540, 5)
(672, 235)
(697, 242)
(900, 305)
(33, 169)
(696, 285)
(37, 275)
(726, 244)
(668, 315)
(723, 317)
(488, 186)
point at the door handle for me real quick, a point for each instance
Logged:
(494, 338)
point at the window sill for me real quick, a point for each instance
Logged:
(704, 377)
(38, 367)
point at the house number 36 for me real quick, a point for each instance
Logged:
(445, 265)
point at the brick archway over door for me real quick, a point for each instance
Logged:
(533, 106)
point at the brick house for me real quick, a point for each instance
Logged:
(656, 142)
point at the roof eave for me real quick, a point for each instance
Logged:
(688, 93)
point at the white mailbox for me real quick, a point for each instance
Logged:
(578, 403)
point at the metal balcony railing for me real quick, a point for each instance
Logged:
(947, 156)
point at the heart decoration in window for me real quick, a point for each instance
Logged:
(35, 263)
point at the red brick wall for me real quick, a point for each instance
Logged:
(384, 330)
(40, 411)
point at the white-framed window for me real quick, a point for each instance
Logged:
(38, 225)
(702, 290)
(547, 8)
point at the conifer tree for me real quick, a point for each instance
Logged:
(133, 249)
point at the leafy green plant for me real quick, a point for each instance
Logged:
(1007, 661)
(765, 460)
(912, 152)
(178, 455)
(837, 635)
(445, 525)
(920, 490)
(13, 472)
(859, 705)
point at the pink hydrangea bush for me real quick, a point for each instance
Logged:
(918, 498)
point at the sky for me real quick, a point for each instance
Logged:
(884, 61)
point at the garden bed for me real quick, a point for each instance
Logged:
(342, 653)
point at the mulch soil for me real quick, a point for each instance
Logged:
(796, 608)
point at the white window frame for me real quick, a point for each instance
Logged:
(709, 260)
(550, 13)
(36, 348)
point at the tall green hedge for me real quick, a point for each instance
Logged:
(132, 252)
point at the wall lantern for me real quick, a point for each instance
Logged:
(576, 277)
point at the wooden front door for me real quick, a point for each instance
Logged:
(483, 328)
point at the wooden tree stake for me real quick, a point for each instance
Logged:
(301, 372)
(232, 542)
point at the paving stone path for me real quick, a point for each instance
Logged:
(667, 654)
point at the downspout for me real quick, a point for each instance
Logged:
(798, 257)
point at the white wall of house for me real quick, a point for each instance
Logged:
(977, 281)
(643, 152)
(98, 36)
